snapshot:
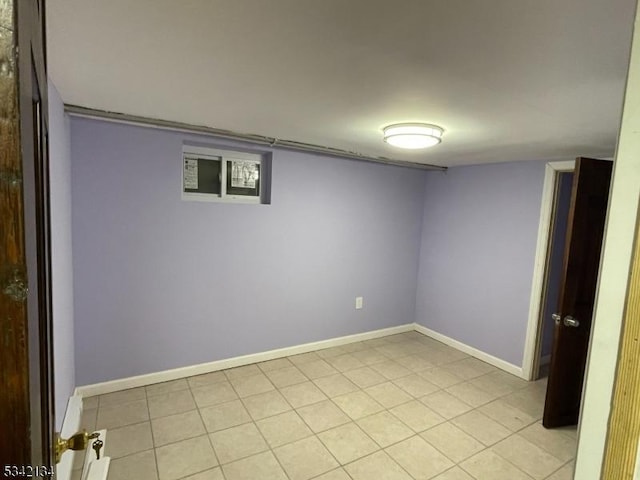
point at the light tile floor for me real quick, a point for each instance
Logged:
(398, 407)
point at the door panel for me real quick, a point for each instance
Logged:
(26, 360)
(14, 385)
(577, 292)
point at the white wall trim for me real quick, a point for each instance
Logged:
(99, 469)
(92, 468)
(539, 270)
(474, 352)
(70, 425)
(613, 281)
(176, 373)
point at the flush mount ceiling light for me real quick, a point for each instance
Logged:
(412, 135)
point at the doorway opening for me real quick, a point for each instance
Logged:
(578, 276)
(553, 274)
(548, 263)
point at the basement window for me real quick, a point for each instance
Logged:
(214, 175)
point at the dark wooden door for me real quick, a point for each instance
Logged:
(585, 230)
(26, 355)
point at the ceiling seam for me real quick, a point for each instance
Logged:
(272, 142)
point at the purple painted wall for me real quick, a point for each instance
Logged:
(476, 262)
(556, 260)
(61, 261)
(163, 283)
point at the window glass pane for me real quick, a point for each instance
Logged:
(201, 175)
(243, 178)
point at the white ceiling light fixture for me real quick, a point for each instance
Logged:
(413, 135)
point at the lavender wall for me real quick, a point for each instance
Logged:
(163, 283)
(556, 259)
(61, 261)
(478, 247)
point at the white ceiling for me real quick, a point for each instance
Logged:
(506, 79)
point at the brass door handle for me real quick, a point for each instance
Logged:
(79, 441)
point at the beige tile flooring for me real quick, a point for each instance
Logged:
(398, 407)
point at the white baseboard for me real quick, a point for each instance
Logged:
(99, 469)
(474, 352)
(70, 425)
(92, 468)
(176, 373)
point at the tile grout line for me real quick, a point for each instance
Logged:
(470, 381)
(560, 468)
(253, 420)
(155, 454)
(215, 454)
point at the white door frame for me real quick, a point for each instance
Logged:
(532, 340)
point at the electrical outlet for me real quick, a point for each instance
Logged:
(359, 301)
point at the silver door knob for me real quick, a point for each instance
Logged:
(556, 317)
(569, 321)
